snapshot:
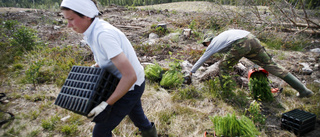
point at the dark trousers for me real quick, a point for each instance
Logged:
(129, 104)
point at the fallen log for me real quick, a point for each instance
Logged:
(128, 27)
(309, 31)
(311, 26)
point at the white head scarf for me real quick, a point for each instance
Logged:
(85, 7)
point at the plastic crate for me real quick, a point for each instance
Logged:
(85, 88)
(298, 121)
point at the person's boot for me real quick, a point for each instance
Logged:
(297, 85)
(151, 132)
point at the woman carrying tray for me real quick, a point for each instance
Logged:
(114, 52)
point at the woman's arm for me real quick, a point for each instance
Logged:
(129, 77)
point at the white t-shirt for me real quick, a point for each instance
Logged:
(106, 42)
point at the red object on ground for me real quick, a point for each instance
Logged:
(273, 90)
(206, 133)
(255, 70)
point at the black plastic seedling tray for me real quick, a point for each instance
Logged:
(298, 121)
(85, 88)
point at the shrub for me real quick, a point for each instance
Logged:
(50, 123)
(15, 39)
(32, 73)
(259, 86)
(158, 30)
(24, 38)
(69, 129)
(189, 93)
(228, 85)
(171, 78)
(153, 72)
(255, 113)
(231, 126)
(213, 88)
(17, 67)
(165, 116)
(34, 133)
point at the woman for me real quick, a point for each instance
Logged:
(114, 52)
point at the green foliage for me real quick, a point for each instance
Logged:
(24, 38)
(53, 64)
(192, 25)
(158, 30)
(16, 40)
(50, 124)
(45, 64)
(34, 97)
(17, 66)
(228, 86)
(12, 132)
(274, 41)
(34, 114)
(32, 73)
(288, 92)
(255, 113)
(165, 116)
(171, 79)
(232, 126)
(213, 88)
(34, 133)
(214, 24)
(152, 50)
(296, 45)
(153, 72)
(69, 129)
(190, 92)
(259, 86)
(194, 54)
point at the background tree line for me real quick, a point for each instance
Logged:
(54, 4)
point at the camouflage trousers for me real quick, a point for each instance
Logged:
(250, 48)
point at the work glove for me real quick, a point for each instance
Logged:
(100, 113)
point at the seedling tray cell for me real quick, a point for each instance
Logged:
(298, 121)
(85, 88)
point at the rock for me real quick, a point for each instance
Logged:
(305, 69)
(316, 66)
(83, 43)
(186, 67)
(149, 42)
(153, 36)
(171, 37)
(316, 50)
(56, 27)
(186, 33)
(162, 25)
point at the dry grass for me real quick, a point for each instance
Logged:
(194, 6)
